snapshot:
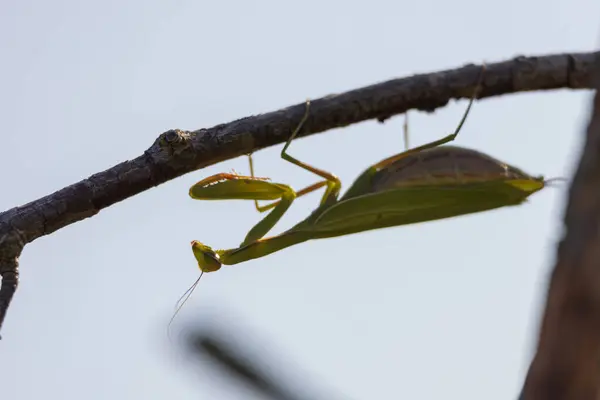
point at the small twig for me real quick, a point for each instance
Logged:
(567, 362)
(177, 152)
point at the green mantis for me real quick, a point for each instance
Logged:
(426, 183)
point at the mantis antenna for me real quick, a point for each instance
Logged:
(182, 300)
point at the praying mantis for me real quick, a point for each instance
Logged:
(426, 183)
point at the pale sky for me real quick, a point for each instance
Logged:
(441, 310)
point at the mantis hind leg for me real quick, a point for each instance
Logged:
(439, 142)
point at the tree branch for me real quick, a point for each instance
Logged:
(177, 152)
(567, 362)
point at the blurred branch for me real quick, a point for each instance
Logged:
(239, 367)
(177, 152)
(246, 362)
(567, 362)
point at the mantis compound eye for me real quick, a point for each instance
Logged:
(208, 259)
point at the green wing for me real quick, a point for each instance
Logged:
(419, 204)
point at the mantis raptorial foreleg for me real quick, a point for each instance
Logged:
(231, 186)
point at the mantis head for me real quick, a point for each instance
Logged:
(208, 259)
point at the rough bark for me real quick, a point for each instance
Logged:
(178, 152)
(567, 362)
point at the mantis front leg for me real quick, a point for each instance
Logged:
(236, 187)
(231, 186)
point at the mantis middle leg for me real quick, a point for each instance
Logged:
(300, 193)
(331, 181)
